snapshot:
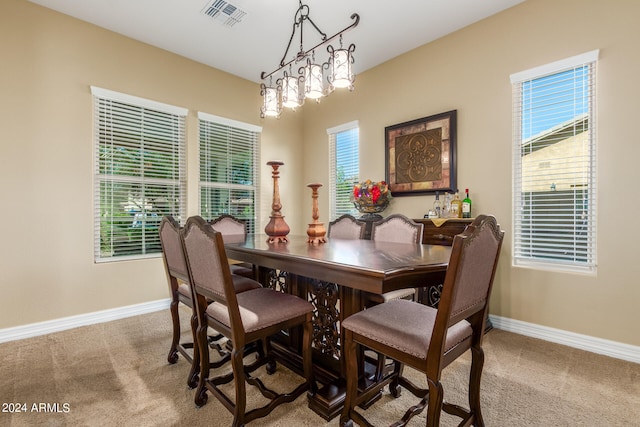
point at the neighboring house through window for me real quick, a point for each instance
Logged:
(229, 169)
(344, 169)
(140, 173)
(554, 165)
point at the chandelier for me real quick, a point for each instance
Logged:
(291, 88)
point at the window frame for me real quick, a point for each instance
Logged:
(163, 130)
(333, 134)
(246, 131)
(534, 235)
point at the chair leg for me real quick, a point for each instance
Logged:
(394, 386)
(192, 379)
(263, 348)
(477, 363)
(350, 354)
(380, 365)
(434, 408)
(175, 319)
(241, 388)
(201, 391)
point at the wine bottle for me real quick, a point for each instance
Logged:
(466, 205)
(456, 206)
(437, 206)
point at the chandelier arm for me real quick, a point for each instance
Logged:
(324, 35)
(293, 33)
(354, 16)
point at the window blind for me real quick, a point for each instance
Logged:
(139, 173)
(344, 169)
(554, 157)
(229, 169)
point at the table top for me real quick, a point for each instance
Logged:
(360, 264)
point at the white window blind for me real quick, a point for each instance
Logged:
(229, 169)
(554, 157)
(139, 173)
(344, 169)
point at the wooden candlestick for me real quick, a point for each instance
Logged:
(316, 231)
(276, 229)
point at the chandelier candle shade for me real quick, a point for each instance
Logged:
(271, 106)
(313, 87)
(290, 97)
(340, 63)
(291, 90)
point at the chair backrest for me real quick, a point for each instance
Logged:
(397, 228)
(468, 281)
(346, 227)
(209, 272)
(172, 253)
(229, 225)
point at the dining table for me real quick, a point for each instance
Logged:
(335, 277)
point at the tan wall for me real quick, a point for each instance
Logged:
(469, 71)
(49, 61)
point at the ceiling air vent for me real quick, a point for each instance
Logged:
(227, 13)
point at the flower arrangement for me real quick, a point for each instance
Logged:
(371, 197)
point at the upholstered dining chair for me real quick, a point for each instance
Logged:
(232, 227)
(396, 228)
(180, 292)
(429, 339)
(346, 227)
(178, 278)
(251, 316)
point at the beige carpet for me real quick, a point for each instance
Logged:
(116, 374)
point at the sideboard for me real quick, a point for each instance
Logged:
(432, 234)
(443, 234)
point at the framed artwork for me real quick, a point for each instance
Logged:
(421, 155)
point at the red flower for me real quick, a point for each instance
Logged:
(375, 194)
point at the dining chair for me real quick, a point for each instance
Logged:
(429, 339)
(346, 227)
(180, 292)
(395, 228)
(232, 227)
(248, 317)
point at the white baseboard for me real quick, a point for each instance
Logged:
(584, 342)
(43, 328)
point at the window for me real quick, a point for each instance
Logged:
(139, 173)
(228, 169)
(344, 170)
(554, 174)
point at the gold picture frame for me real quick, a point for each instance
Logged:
(421, 155)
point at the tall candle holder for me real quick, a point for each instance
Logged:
(276, 229)
(316, 231)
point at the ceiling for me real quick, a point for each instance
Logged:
(258, 41)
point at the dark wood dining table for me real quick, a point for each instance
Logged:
(334, 276)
